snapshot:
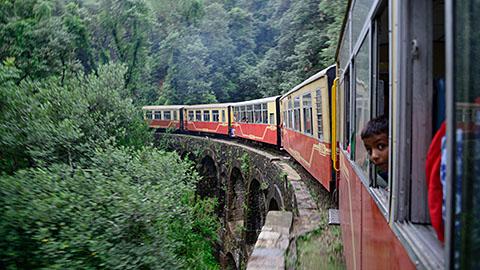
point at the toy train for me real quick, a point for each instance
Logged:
(298, 121)
(414, 62)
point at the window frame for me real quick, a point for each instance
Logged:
(157, 113)
(297, 118)
(206, 115)
(215, 116)
(198, 116)
(307, 110)
(165, 113)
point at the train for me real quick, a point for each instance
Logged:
(412, 62)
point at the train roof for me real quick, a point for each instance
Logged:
(308, 81)
(207, 106)
(162, 107)
(255, 101)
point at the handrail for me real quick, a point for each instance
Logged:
(334, 125)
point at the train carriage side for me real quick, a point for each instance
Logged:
(208, 118)
(397, 59)
(163, 117)
(306, 129)
(256, 120)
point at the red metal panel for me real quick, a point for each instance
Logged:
(257, 132)
(209, 127)
(381, 249)
(156, 123)
(314, 155)
(368, 240)
(350, 198)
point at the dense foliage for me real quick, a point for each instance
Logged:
(124, 210)
(186, 51)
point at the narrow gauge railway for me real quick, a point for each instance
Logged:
(415, 63)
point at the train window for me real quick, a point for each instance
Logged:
(242, 115)
(148, 115)
(157, 115)
(362, 103)
(175, 115)
(290, 113)
(198, 115)
(264, 113)
(206, 116)
(257, 113)
(190, 116)
(318, 100)
(223, 116)
(215, 116)
(346, 107)
(167, 115)
(296, 114)
(249, 110)
(360, 11)
(380, 105)
(272, 119)
(307, 113)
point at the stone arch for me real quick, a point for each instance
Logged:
(207, 187)
(275, 199)
(230, 262)
(235, 201)
(273, 205)
(255, 216)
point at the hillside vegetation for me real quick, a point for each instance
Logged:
(81, 187)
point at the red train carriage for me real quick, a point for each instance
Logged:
(209, 118)
(413, 61)
(257, 120)
(163, 117)
(306, 132)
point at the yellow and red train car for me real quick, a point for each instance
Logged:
(257, 120)
(163, 117)
(306, 128)
(207, 118)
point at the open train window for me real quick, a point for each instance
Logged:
(215, 115)
(198, 115)
(190, 116)
(307, 113)
(319, 113)
(257, 113)
(157, 115)
(290, 113)
(296, 114)
(175, 116)
(362, 104)
(167, 115)
(223, 116)
(264, 113)
(249, 109)
(148, 115)
(206, 116)
(380, 90)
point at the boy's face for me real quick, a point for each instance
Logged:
(377, 148)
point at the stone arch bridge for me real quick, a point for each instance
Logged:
(248, 183)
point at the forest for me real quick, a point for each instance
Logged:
(81, 185)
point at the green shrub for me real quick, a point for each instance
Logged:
(121, 209)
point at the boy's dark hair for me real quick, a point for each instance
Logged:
(376, 126)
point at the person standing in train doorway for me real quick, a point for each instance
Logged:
(375, 138)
